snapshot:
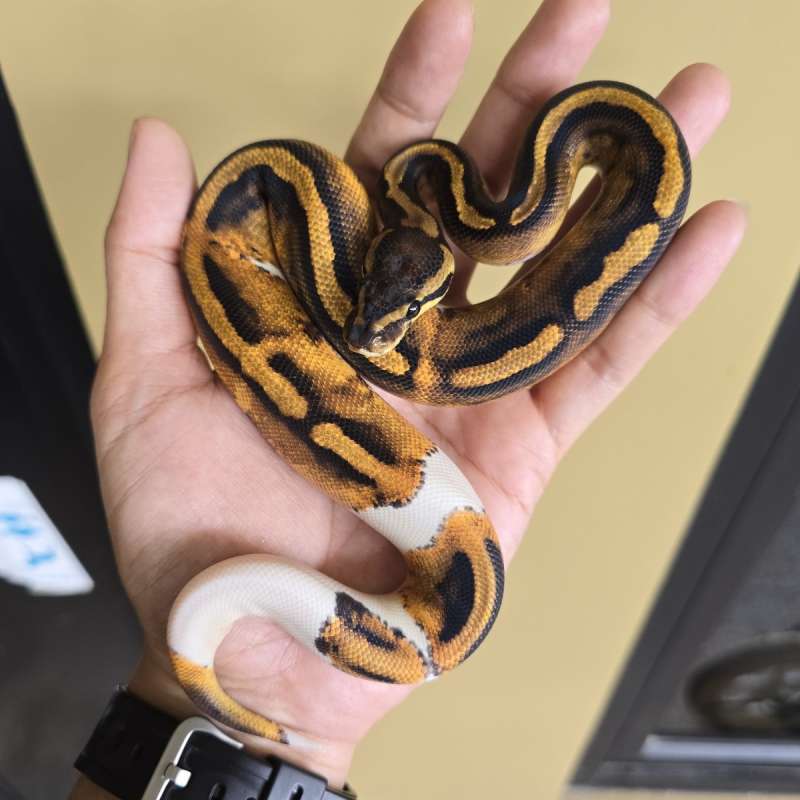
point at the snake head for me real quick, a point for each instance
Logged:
(406, 273)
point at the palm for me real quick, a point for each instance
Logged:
(187, 440)
(187, 481)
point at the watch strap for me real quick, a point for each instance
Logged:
(125, 746)
(137, 751)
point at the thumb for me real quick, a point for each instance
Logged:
(146, 312)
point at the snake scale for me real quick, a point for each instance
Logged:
(303, 295)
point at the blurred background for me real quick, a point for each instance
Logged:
(513, 720)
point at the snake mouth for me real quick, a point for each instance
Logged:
(368, 353)
(365, 341)
(374, 349)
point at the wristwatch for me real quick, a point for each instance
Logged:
(138, 752)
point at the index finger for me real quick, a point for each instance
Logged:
(420, 76)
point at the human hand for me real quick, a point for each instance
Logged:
(188, 482)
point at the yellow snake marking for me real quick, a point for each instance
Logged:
(468, 214)
(369, 261)
(294, 172)
(249, 239)
(616, 266)
(438, 278)
(203, 688)
(550, 222)
(333, 438)
(415, 215)
(512, 361)
(387, 319)
(464, 532)
(426, 376)
(334, 300)
(672, 178)
(447, 268)
(395, 659)
(290, 403)
(395, 363)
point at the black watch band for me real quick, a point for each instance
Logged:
(137, 752)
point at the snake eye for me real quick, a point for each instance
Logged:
(413, 310)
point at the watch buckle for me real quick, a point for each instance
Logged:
(167, 770)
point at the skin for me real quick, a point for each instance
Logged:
(186, 479)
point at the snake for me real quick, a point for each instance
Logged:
(312, 295)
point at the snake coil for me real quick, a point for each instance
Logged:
(299, 298)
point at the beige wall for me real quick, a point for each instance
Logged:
(227, 73)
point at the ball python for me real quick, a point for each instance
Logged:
(304, 295)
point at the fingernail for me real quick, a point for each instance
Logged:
(134, 132)
(743, 204)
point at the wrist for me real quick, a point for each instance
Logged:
(138, 750)
(153, 681)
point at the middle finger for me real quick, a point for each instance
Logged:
(546, 58)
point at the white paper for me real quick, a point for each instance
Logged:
(32, 551)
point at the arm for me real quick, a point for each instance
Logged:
(186, 480)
